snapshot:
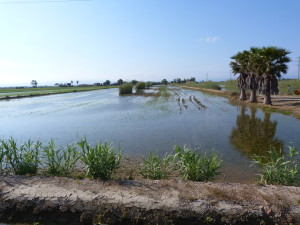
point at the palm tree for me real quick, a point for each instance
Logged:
(273, 62)
(240, 66)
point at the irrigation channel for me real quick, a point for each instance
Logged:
(153, 121)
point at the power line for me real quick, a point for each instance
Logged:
(41, 1)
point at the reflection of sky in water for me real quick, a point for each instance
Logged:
(138, 124)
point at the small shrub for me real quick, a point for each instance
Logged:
(140, 85)
(156, 168)
(149, 84)
(100, 161)
(125, 88)
(25, 159)
(197, 167)
(276, 168)
(60, 162)
(296, 92)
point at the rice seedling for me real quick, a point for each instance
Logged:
(140, 85)
(275, 168)
(100, 161)
(125, 88)
(23, 159)
(60, 161)
(155, 168)
(197, 167)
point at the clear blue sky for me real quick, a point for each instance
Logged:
(95, 40)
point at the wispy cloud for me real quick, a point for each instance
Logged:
(209, 39)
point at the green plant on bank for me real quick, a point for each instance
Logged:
(2, 158)
(60, 162)
(155, 168)
(276, 168)
(100, 161)
(23, 159)
(140, 85)
(125, 88)
(197, 167)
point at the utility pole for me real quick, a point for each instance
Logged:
(229, 74)
(298, 67)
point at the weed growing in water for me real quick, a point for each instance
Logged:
(156, 168)
(62, 161)
(140, 85)
(23, 159)
(100, 161)
(125, 88)
(197, 167)
(276, 168)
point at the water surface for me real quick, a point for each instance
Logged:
(141, 124)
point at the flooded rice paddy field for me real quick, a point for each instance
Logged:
(153, 121)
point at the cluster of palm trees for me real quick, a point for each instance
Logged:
(259, 69)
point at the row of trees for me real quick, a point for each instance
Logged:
(259, 69)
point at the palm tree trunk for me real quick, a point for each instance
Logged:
(243, 94)
(253, 96)
(267, 98)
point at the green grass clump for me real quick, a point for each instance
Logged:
(100, 161)
(197, 167)
(140, 85)
(60, 162)
(2, 158)
(278, 169)
(23, 159)
(155, 168)
(125, 88)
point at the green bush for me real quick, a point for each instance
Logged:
(148, 84)
(140, 85)
(100, 161)
(61, 161)
(23, 159)
(125, 88)
(276, 168)
(156, 168)
(197, 167)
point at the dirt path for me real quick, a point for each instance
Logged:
(74, 201)
(287, 104)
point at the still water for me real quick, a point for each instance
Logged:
(141, 124)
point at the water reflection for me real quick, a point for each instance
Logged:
(253, 135)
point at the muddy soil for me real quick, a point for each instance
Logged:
(82, 201)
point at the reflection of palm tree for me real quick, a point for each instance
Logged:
(254, 136)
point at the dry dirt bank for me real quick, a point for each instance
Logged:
(287, 104)
(73, 201)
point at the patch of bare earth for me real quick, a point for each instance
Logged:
(85, 201)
